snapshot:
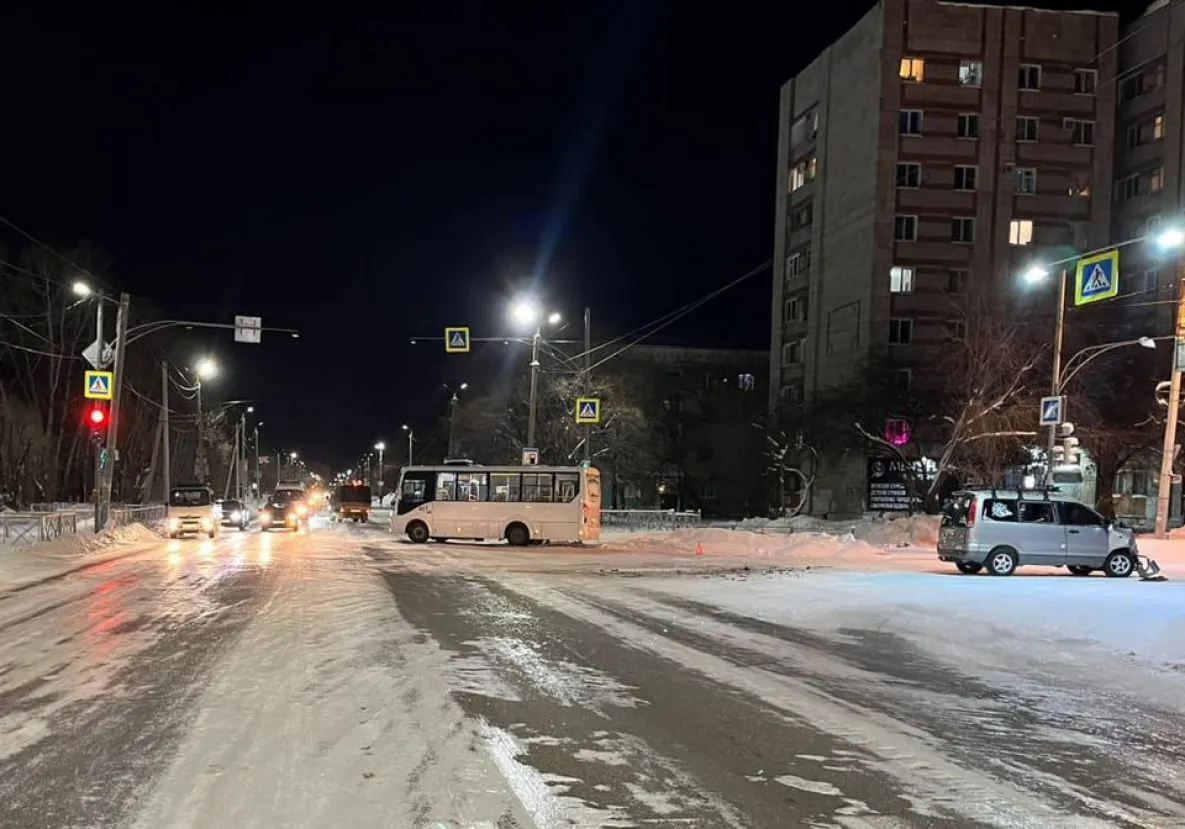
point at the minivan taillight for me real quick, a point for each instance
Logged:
(971, 512)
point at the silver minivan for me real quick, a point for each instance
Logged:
(1000, 530)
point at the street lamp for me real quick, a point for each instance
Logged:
(1170, 239)
(381, 447)
(453, 402)
(203, 368)
(80, 289)
(526, 312)
(411, 436)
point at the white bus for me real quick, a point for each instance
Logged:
(518, 503)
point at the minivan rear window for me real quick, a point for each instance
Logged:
(954, 511)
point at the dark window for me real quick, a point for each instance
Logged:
(567, 486)
(190, 498)
(537, 487)
(1078, 515)
(473, 486)
(910, 122)
(415, 490)
(504, 486)
(1036, 512)
(968, 125)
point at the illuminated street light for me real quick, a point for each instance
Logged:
(206, 368)
(81, 289)
(1174, 237)
(1036, 274)
(554, 318)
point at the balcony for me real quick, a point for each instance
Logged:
(942, 147)
(1140, 107)
(1139, 158)
(1053, 206)
(928, 201)
(1044, 103)
(933, 252)
(1058, 154)
(952, 96)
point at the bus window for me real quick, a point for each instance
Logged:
(566, 486)
(537, 487)
(446, 486)
(504, 486)
(472, 486)
(414, 491)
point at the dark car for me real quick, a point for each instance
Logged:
(284, 508)
(233, 513)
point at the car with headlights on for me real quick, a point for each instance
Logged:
(191, 511)
(284, 509)
(233, 513)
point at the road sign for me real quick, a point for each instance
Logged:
(588, 410)
(98, 360)
(1097, 277)
(248, 329)
(1052, 410)
(98, 385)
(530, 457)
(456, 340)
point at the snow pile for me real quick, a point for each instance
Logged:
(79, 544)
(718, 542)
(884, 531)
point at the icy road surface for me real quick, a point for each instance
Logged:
(339, 678)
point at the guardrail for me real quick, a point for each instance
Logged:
(650, 519)
(137, 515)
(20, 529)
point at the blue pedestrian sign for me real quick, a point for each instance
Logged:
(97, 385)
(1097, 277)
(588, 410)
(456, 340)
(1052, 410)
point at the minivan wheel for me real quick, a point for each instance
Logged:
(1079, 569)
(417, 531)
(1002, 561)
(969, 568)
(1119, 565)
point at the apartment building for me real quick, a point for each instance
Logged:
(930, 153)
(1150, 150)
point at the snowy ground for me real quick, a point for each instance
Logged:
(340, 677)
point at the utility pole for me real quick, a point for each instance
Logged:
(1164, 490)
(200, 471)
(121, 329)
(587, 381)
(1055, 386)
(258, 470)
(164, 419)
(534, 388)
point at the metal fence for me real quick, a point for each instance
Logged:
(649, 519)
(20, 529)
(122, 516)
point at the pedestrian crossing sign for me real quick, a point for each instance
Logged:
(98, 385)
(456, 340)
(588, 410)
(1097, 277)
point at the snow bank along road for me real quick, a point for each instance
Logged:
(339, 678)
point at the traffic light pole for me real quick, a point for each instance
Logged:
(1055, 388)
(1164, 489)
(98, 482)
(108, 477)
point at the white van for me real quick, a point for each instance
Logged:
(191, 510)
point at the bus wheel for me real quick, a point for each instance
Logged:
(417, 531)
(518, 535)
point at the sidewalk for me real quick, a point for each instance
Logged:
(23, 567)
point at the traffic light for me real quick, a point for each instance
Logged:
(96, 419)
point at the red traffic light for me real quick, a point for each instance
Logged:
(97, 417)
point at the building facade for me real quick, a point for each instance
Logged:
(1150, 152)
(930, 153)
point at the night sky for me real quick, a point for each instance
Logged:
(369, 179)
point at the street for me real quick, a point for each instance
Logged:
(342, 678)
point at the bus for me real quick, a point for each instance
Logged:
(522, 504)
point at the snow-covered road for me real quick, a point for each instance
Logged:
(340, 678)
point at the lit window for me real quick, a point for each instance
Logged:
(1026, 180)
(913, 69)
(1158, 128)
(1028, 76)
(1156, 180)
(746, 382)
(900, 280)
(1020, 232)
(971, 73)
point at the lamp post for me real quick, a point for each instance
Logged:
(411, 436)
(1034, 275)
(453, 402)
(258, 469)
(1170, 239)
(381, 447)
(204, 368)
(526, 313)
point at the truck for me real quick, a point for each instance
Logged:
(352, 501)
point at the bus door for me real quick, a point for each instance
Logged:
(416, 493)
